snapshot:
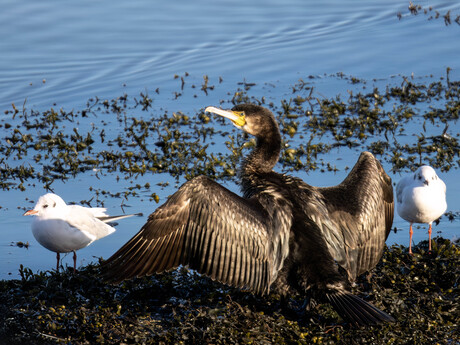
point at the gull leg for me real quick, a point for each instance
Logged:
(411, 232)
(74, 261)
(58, 257)
(429, 238)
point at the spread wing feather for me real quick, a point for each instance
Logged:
(370, 187)
(355, 217)
(206, 227)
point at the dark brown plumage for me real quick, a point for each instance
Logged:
(282, 234)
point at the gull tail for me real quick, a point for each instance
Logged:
(111, 219)
(356, 310)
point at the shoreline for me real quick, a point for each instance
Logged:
(419, 291)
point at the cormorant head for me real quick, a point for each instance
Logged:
(251, 118)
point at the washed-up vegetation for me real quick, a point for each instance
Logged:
(420, 291)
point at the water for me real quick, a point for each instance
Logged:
(62, 54)
(92, 48)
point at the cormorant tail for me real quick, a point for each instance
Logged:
(356, 310)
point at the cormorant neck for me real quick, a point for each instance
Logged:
(265, 155)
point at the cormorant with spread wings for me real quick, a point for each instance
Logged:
(281, 234)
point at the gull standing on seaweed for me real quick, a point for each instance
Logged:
(421, 198)
(64, 228)
(282, 233)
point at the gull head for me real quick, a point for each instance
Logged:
(425, 175)
(46, 204)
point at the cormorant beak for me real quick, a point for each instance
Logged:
(237, 117)
(30, 213)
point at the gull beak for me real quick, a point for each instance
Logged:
(30, 213)
(237, 117)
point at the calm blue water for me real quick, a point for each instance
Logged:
(64, 53)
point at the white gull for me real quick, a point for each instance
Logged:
(421, 198)
(64, 228)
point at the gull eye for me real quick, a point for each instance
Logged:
(45, 206)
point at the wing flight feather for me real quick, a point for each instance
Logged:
(208, 228)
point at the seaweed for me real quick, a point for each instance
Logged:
(403, 125)
(420, 291)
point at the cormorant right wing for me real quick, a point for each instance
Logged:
(355, 217)
(370, 190)
(208, 228)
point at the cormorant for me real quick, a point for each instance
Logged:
(282, 234)
(421, 198)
